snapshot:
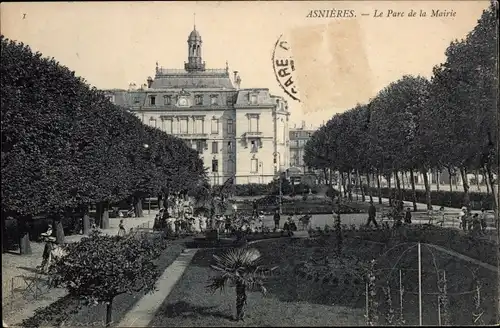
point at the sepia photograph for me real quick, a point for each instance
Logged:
(250, 163)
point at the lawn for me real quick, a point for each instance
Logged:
(295, 299)
(190, 304)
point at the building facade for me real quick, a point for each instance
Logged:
(298, 139)
(239, 133)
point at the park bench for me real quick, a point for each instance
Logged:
(440, 217)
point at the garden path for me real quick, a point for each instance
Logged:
(18, 301)
(145, 309)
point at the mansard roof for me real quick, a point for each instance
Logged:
(182, 79)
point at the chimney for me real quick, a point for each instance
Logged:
(150, 82)
(237, 79)
(303, 124)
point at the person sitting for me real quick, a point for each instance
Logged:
(286, 226)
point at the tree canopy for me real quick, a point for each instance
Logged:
(415, 124)
(65, 145)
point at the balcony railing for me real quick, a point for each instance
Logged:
(252, 134)
(192, 135)
(177, 71)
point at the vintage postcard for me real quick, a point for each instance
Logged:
(321, 163)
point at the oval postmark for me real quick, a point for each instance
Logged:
(284, 68)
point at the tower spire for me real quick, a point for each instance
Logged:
(194, 20)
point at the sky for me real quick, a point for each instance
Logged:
(339, 61)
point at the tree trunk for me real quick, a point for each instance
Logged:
(389, 186)
(86, 221)
(451, 179)
(325, 173)
(403, 181)
(399, 195)
(413, 192)
(379, 190)
(349, 185)
(437, 180)
(463, 174)
(343, 183)
(24, 236)
(370, 191)
(427, 189)
(485, 179)
(476, 175)
(104, 216)
(138, 207)
(241, 300)
(494, 191)
(109, 312)
(59, 230)
(160, 202)
(363, 197)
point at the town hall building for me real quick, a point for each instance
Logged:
(239, 133)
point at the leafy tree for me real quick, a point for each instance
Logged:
(393, 125)
(66, 147)
(101, 267)
(240, 267)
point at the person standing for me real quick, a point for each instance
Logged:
(254, 208)
(121, 229)
(277, 220)
(482, 219)
(372, 212)
(260, 222)
(408, 216)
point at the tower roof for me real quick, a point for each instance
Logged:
(194, 35)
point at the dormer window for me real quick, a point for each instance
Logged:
(198, 100)
(253, 99)
(152, 100)
(137, 100)
(214, 100)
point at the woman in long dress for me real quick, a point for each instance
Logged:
(121, 229)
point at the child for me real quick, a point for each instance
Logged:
(121, 229)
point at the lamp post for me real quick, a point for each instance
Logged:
(276, 170)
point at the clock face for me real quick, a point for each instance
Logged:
(183, 101)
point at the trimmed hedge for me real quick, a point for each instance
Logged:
(443, 198)
(254, 189)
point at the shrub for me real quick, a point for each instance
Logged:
(100, 267)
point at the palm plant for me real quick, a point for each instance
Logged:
(240, 267)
